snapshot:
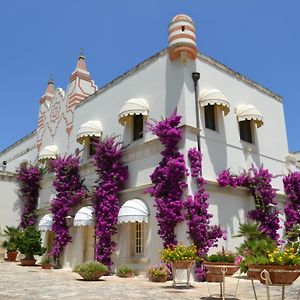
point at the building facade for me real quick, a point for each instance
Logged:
(237, 120)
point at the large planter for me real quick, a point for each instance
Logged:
(214, 270)
(11, 255)
(278, 274)
(28, 262)
(184, 264)
(91, 276)
(163, 278)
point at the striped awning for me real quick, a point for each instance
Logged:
(249, 112)
(214, 97)
(135, 106)
(89, 129)
(134, 210)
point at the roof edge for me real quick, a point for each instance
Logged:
(239, 76)
(32, 133)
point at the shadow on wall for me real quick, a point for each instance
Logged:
(216, 143)
(174, 86)
(231, 212)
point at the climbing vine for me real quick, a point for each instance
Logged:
(28, 177)
(69, 193)
(258, 183)
(168, 178)
(112, 175)
(291, 184)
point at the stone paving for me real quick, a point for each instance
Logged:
(24, 283)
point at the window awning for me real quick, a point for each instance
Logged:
(249, 112)
(89, 129)
(48, 152)
(135, 106)
(214, 97)
(134, 210)
(84, 217)
(45, 223)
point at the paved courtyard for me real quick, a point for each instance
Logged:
(32, 283)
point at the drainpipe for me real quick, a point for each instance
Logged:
(196, 77)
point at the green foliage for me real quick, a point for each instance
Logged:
(88, 268)
(46, 259)
(293, 238)
(124, 270)
(12, 238)
(31, 242)
(256, 246)
(222, 256)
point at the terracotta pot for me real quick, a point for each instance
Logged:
(278, 274)
(28, 262)
(47, 266)
(214, 270)
(11, 255)
(163, 278)
(129, 274)
(184, 264)
(92, 276)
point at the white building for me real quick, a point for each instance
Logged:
(238, 119)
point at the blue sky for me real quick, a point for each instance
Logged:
(259, 39)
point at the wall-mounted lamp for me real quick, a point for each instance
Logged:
(69, 221)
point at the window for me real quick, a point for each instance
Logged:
(92, 147)
(210, 117)
(245, 131)
(139, 239)
(138, 127)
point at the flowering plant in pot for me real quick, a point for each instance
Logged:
(91, 271)
(125, 271)
(12, 238)
(30, 244)
(262, 257)
(179, 255)
(223, 261)
(158, 273)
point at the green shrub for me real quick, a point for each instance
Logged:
(222, 256)
(31, 242)
(87, 269)
(124, 270)
(46, 259)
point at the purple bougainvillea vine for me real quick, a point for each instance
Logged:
(168, 178)
(203, 235)
(69, 193)
(258, 182)
(28, 178)
(112, 175)
(291, 184)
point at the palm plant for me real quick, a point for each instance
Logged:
(12, 238)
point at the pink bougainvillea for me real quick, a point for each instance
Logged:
(168, 178)
(69, 193)
(203, 235)
(28, 178)
(292, 207)
(258, 182)
(112, 175)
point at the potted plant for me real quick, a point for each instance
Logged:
(125, 271)
(11, 242)
(260, 253)
(222, 261)
(158, 273)
(91, 270)
(46, 262)
(180, 256)
(30, 244)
